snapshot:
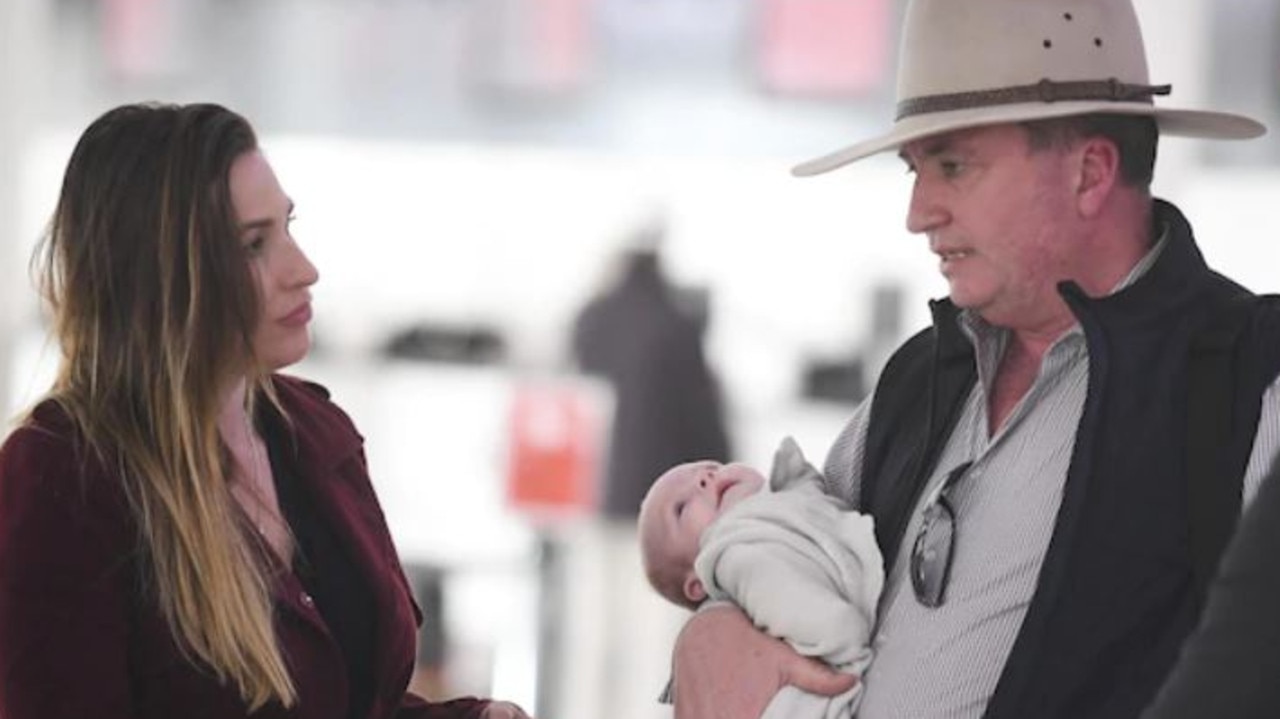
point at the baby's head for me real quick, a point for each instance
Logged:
(682, 503)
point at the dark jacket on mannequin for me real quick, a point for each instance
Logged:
(667, 406)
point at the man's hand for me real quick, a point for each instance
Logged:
(725, 668)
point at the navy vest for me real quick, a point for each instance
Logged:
(1118, 591)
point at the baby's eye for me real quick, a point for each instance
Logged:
(679, 509)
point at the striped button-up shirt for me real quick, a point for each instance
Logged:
(945, 662)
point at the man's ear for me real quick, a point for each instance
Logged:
(1096, 173)
(693, 589)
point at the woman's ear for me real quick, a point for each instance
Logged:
(693, 589)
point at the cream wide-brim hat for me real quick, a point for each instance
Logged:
(967, 63)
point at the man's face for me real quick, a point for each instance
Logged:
(999, 217)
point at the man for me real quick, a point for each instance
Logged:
(1046, 465)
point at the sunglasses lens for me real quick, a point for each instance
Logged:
(931, 555)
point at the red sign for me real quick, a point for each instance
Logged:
(824, 47)
(553, 453)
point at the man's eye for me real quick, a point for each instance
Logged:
(950, 168)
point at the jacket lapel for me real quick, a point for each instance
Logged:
(330, 461)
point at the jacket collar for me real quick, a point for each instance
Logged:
(323, 436)
(1175, 279)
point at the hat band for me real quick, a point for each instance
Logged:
(1046, 91)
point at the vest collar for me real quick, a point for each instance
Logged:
(1175, 278)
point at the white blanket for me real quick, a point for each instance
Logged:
(806, 570)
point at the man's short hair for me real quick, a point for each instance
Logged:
(1135, 137)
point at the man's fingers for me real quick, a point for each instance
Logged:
(817, 678)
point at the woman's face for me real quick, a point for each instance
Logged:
(283, 273)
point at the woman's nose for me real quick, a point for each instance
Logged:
(304, 273)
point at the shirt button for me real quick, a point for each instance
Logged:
(306, 600)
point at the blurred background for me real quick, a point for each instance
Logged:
(471, 175)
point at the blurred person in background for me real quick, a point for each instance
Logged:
(1229, 666)
(798, 562)
(645, 340)
(1054, 466)
(184, 532)
(643, 337)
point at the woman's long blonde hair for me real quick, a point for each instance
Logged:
(154, 307)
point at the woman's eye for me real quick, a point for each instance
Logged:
(255, 245)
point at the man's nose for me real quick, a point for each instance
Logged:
(924, 213)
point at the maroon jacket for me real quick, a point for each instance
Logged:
(79, 639)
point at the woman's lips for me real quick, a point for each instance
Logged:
(298, 317)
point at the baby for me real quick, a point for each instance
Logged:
(803, 567)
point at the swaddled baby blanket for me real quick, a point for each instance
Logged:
(806, 570)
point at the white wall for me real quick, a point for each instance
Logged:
(22, 26)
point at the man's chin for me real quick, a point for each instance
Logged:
(963, 299)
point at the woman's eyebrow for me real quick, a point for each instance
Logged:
(263, 222)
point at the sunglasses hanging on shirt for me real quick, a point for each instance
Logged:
(935, 543)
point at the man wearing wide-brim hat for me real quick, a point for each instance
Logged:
(1055, 465)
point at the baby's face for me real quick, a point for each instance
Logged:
(687, 499)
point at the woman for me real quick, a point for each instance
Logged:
(184, 533)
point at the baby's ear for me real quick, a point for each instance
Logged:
(693, 589)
